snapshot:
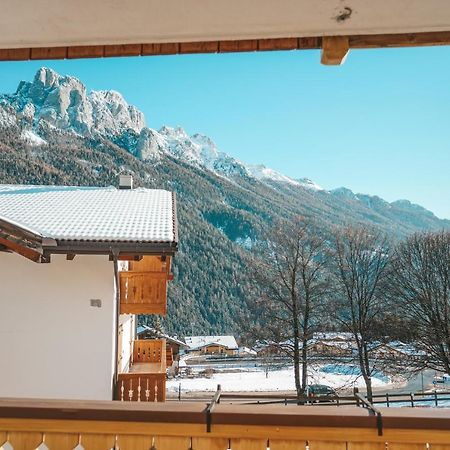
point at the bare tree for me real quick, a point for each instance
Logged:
(420, 288)
(290, 281)
(360, 271)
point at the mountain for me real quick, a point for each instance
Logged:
(53, 131)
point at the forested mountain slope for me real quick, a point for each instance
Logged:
(52, 131)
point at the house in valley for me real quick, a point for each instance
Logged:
(77, 264)
(212, 345)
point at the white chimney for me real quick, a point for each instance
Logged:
(125, 181)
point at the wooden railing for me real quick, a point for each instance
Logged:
(146, 379)
(143, 293)
(62, 425)
(143, 288)
(141, 387)
(149, 351)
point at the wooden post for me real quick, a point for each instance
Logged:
(334, 50)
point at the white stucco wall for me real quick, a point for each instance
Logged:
(126, 335)
(53, 343)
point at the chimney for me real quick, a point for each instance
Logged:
(125, 181)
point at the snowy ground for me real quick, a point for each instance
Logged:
(337, 376)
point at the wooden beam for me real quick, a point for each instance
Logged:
(239, 45)
(29, 253)
(70, 256)
(334, 50)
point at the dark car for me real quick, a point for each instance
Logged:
(321, 392)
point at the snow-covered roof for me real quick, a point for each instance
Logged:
(86, 214)
(196, 342)
(333, 336)
(142, 328)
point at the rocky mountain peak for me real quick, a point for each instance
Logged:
(64, 103)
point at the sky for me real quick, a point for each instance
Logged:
(379, 124)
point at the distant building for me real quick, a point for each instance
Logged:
(212, 345)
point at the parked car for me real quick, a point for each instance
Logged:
(321, 392)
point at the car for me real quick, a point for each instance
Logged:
(321, 392)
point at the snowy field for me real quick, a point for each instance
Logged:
(337, 376)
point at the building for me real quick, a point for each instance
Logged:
(77, 265)
(212, 345)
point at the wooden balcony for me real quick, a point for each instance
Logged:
(146, 378)
(62, 425)
(143, 288)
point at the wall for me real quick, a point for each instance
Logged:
(126, 338)
(53, 343)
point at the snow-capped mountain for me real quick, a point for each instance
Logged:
(62, 102)
(52, 103)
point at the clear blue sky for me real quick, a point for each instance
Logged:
(380, 124)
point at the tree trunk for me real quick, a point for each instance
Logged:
(368, 381)
(298, 386)
(304, 364)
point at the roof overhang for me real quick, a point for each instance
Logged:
(85, 28)
(20, 240)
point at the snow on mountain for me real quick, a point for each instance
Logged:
(262, 172)
(32, 138)
(63, 103)
(307, 183)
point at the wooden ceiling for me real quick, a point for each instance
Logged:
(55, 29)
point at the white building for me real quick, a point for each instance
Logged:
(76, 265)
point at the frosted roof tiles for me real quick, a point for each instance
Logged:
(91, 214)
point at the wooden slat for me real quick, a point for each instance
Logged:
(439, 447)
(172, 443)
(127, 442)
(276, 444)
(309, 43)
(61, 441)
(199, 47)
(248, 444)
(24, 440)
(366, 446)
(123, 50)
(49, 53)
(160, 49)
(278, 44)
(96, 442)
(203, 443)
(399, 446)
(327, 445)
(249, 45)
(15, 54)
(91, 51)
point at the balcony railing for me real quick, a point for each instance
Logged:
(146, 378)
(62, 425)
(143, 292)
